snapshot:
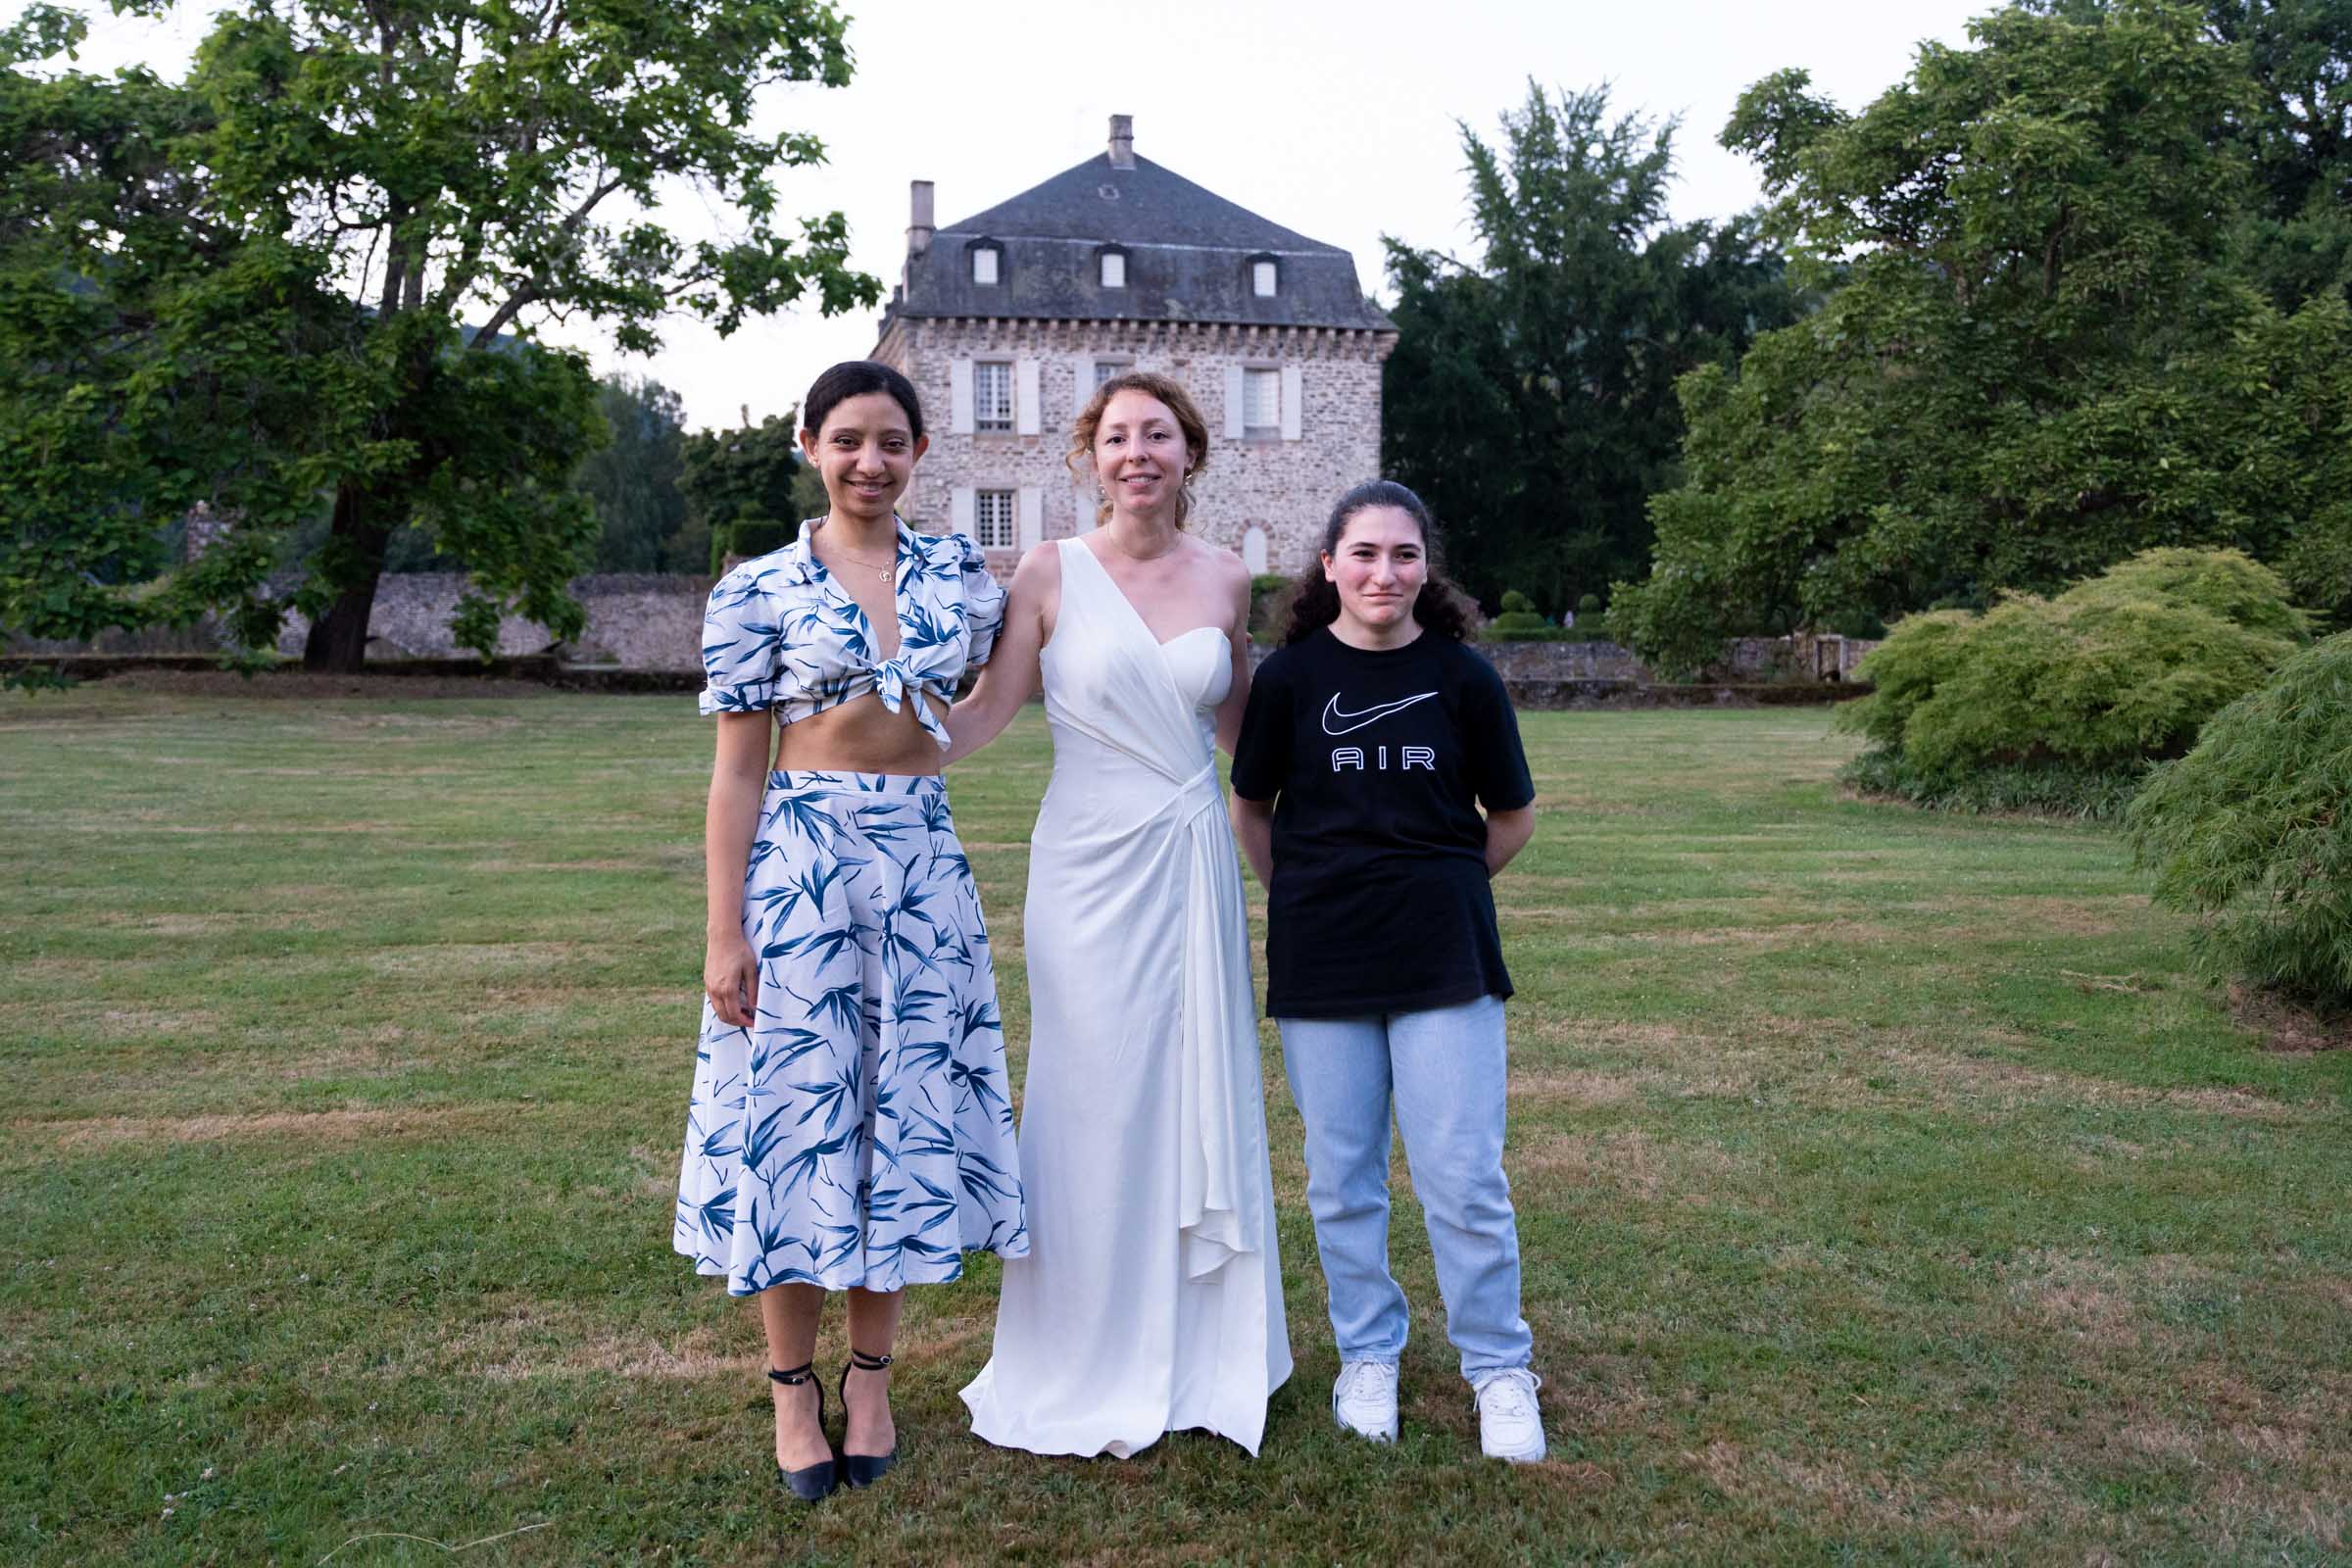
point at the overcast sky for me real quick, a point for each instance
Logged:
(1334, 118)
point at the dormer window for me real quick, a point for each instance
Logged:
(1265, 276)
(1113, 263)
(988, 265)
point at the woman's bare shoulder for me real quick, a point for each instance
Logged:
(1216, 564)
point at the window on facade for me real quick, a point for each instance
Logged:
(1262, 279)
(1114, 269)
(1261, 400)
(984, 264)
(1104, 370)
(993, 526)
(992, 395)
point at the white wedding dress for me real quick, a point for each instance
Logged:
(1150, 1301)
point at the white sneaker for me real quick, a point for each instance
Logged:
(1364, 1400)
(1509, 1425)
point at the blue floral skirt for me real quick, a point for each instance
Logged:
(859, 1132)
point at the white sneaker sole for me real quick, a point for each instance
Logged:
(1368, 1434)
(1534, 1455)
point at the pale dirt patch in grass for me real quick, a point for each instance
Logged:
(536, 867)
(119, 1022)
(2159, 1440)
(1956, 1502)
(209, 923)
(2099, 1302)
(1568, 1087)
(2074, 918)
(1850, 933)
(1626, 1160)
(703, 1350)
(325, 1126)
(469, 959)
(1955, 1081)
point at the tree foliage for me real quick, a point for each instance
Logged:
(2252, 830)
(314, 269)
(633, 483)
(1530, 399)
(2042, 354)
(742, 475)
(2294, 131)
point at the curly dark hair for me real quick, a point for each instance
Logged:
(1314, 600)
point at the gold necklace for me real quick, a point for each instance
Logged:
(880, 568)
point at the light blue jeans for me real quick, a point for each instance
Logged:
(1443, 1071)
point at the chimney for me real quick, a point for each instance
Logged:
(919, 226)
(1122, 141)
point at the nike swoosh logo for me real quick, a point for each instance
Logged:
(1352, 722)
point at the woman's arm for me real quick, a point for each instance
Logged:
(1254, 831)
(1507, 833)
(738, 776)
(1236, 699)
(1010, 677)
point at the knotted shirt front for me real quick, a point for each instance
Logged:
(781, 634)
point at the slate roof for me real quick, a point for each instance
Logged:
(1188, 249)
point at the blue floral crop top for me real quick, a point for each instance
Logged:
(782, 633)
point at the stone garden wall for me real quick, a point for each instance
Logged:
(655, 623)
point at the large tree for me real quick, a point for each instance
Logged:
(2042, 354)
(388, 199)
(1531, 395)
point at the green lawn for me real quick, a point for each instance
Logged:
(1889, 1190)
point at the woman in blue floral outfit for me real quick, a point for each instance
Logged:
(851, 1127)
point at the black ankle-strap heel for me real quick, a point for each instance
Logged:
(810, 1485)
(862, 1469)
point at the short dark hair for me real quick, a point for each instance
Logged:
(855, 378)
(1314, 599)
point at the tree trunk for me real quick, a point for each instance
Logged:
(354, 559)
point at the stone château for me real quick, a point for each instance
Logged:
(1008, 321)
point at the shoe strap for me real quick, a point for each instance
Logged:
(867, 1363)
(796, 1377)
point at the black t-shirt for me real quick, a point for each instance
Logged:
(1377, 762)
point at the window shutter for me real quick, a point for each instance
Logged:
(959, 397)
(962, 515)
(1233, 403)
(1032, 515)
(1254, 551)
(1025, 396)
(1293, 383)
(1082, 383)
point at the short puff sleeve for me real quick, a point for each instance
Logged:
(983, 602)
(742, 644)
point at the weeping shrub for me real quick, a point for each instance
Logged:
(2119, 671)
(2252, 831)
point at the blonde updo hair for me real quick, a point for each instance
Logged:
(1188, 421)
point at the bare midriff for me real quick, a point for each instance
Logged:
(862, 736)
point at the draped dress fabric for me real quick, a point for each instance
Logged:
(1151, 1299)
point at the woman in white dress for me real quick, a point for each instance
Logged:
(1150, 1301)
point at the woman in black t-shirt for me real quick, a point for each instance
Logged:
(1371, 740)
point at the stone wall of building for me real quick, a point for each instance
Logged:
(1282, 487)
